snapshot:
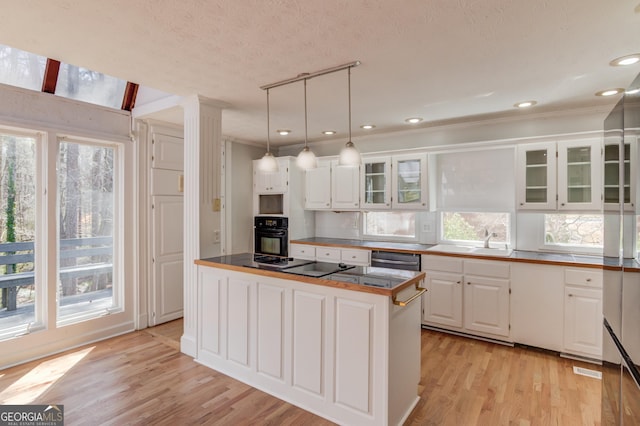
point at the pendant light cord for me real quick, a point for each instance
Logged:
(349, 90)
(305, 113)
(268, 127)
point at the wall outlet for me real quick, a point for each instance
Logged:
(216, 236)
(216, 205)
(426, 227)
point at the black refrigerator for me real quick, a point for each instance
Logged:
(621, 274)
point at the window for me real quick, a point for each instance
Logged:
(17, 232)
(390, 225)
(86, 226)
(88, 282)
(470, 227)
(90, 86)
(573, 231)
(20, 68)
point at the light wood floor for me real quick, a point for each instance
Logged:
(142, 378)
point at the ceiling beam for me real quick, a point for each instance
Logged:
(50, 79)
(129, 99)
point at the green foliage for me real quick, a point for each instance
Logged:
(457, 228)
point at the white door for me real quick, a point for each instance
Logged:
(317, 188)
(583, 320)
(345, 187)
(579, 174)
(167, 216)
(167, 259)
(486, 305)
(442, 303)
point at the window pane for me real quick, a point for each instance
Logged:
(20, 68)
(580, 230)
(390, 224)
(17, 232)
(86, 203)
(471, 226)
(90, 86)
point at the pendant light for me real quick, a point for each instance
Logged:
(306, 159)
(349, 156)
(268, 162)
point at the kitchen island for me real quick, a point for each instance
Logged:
(344, 345)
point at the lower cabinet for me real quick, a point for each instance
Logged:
(557, 308)
(467, 295)
(351, 357)
(583, 312)
(349, 256)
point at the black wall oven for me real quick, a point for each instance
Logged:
(271, 236)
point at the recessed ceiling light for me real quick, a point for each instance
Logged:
(609, 92)
(625, 60)
(632, 91)
(329, 132)
(283, 132)
(367, 126)
(525, 104)
(413, 120)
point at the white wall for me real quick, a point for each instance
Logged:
(240, 194)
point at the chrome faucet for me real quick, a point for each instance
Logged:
(487, 237)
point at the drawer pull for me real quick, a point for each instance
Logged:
(588, 280)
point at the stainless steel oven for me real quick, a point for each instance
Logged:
(271, 235)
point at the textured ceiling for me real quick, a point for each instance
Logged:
(436, 59)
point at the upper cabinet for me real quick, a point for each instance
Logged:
(579, 181)
(332, 187)
(409, 183)
(398, 182)
(560, 176)
(376, 183)
(271, 182)
(536, 176)
(612, 179)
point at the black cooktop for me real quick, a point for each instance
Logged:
(276, 262)
(318, 269)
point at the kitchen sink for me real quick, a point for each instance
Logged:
(501, 252)
(450, 248)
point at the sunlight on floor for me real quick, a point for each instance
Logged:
(37, 381)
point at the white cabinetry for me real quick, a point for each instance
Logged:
(332, 187)
(271, 182)
(537, 305)
(398, 182)
(409, 183)
(352, 357)
(349, 256)
(583, 312)
(345, 187)
(560, 176)
(536, 176)
(467, 295)
(317, 190)
(611, 172)
(486, 297)
(579, 178)
(376, 183)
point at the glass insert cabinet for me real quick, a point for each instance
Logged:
(398, 182)
(562, 175)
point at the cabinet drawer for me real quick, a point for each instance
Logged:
(328, 254)
(583, 277)
(302, 251)
(487, 268)
(441, 263)
(355, 257)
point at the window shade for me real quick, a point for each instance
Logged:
(476, 180)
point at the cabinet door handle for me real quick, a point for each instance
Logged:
(562, 204)
(522, 204)
(468, 283)
(588, 280)
(570, 295)
(458, 282)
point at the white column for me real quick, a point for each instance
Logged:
(202, 220)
